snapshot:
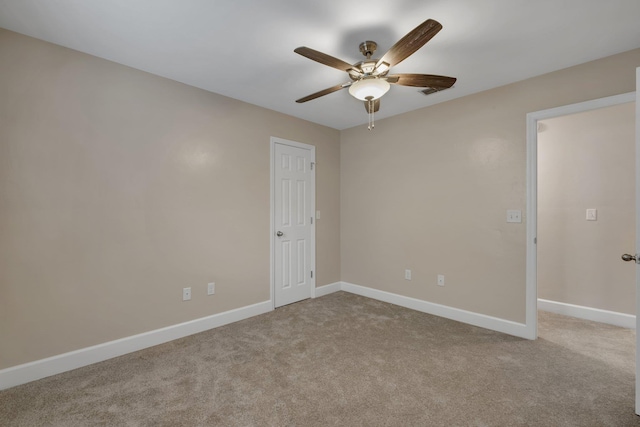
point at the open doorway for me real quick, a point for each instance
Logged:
(533, 120)
(586, 214)
(600, 271)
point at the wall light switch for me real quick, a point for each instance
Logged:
(317, 214)
(407, 274)
(514, 216)
(211, 288)
(186, 294)
(592, 214)
(440, 279)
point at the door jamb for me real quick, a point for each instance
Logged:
(531, 316)
(275, 140)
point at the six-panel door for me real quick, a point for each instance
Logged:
(292, 224)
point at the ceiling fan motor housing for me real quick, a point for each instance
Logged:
(369, 65)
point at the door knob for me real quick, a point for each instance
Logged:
(279, 234)
(627, 257)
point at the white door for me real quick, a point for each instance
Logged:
(293, 196)
(637, 240)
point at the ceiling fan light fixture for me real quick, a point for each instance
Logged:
(371, 88)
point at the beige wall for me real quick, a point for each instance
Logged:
(587, 160)
(429, 190)
(119, 188)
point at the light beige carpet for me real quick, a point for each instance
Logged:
(345, 360)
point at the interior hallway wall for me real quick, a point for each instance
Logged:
(587, 160)
(429, 190)
(118, 188)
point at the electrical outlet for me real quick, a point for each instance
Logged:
(440, 279)
(514, 215)
(407, 274)
(186, 294)
(211, 288)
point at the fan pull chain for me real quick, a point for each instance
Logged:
(371, 115)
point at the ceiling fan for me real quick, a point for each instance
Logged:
(370, 79)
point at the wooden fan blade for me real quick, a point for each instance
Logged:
(410, 43)
(323, 93)
(422, 80)
(323, 58)
(376, 105)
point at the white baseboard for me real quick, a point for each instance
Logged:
(43, 368)
(588, 313)
(328, 289)
(38, 369)
(475, 319)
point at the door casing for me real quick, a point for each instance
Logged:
(637, 99)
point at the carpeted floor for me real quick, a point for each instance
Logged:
(346, 360)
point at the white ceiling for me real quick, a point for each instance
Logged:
(244, 48)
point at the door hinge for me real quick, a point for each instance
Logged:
(312, 274)
(535, 240)
(312, 165)
(311, 220)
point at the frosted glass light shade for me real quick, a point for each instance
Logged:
(374, 88)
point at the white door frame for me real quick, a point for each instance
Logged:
(531, 325)
(637, 249)
(272, 230)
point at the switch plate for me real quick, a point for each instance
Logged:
(317, 214)
(211, 288)
(186, 294)
(592, 214)
(440, 279)
(407, 274)
(514, 215)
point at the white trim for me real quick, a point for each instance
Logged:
(531, 304)
(327, 289)
(580, 107)
(273, 141)
(531, 269)
(475, 319)
(637, 146)
(588, 313)
(43, 368)
(272, 231)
